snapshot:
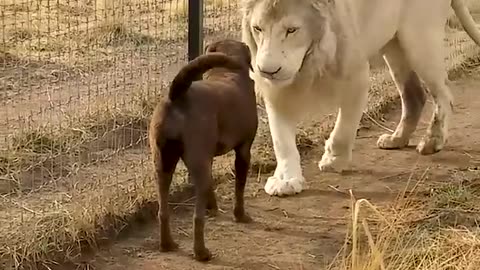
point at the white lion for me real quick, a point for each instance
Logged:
(312, 52)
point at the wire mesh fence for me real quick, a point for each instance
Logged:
(78, 81)
(69, 62)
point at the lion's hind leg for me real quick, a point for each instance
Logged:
(412, 96)
(424, 50)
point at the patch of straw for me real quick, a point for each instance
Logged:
(403, 242)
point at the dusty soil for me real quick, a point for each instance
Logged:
(306, 231)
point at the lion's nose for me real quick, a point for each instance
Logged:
(267, 72)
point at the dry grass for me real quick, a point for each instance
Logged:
(75, 32)
(179, 8)
(64, 221)
(68, 227)
(88, 137)
(90, 27)
(438, 232)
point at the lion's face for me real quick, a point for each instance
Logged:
(283, 38)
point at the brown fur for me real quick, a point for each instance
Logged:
(201, 120)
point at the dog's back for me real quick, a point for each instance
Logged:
(189, 101)
(195, 69)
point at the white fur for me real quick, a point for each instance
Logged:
(312, 52)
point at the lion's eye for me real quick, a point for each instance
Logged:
(291, 30)
(257, 28)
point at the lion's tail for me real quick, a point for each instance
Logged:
(466, 19)
(196, 68)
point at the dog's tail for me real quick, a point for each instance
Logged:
(196, 68)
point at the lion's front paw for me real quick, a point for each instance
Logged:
(388, 141)
(277, 186)
(330, 163)
(430, 145)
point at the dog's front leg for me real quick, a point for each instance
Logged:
(242, 164)
(338, 148)
(288, 178)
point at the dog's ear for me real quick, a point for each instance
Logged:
(249, 56)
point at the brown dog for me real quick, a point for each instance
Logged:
(201, 120)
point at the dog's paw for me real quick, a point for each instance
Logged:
(240, 215)
(202, 255)
(388, 141)
(243, 218)
(167, 246)
(277, 186)
(330, 163)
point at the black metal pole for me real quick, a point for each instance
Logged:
(195, 28)
(195, 35)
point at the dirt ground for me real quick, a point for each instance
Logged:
(307, 230)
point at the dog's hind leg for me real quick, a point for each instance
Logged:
(199, 165)
(212, 205)
(165, 162)
(412, 95)
(242, 164)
